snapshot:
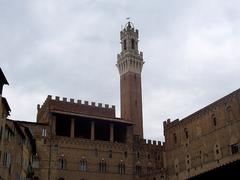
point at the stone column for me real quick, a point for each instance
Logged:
(93, 130)
(72, 127)
(111, 132)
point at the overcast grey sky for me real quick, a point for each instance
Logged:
(69, 48)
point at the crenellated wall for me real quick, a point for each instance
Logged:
(73, 106)
(203, 140)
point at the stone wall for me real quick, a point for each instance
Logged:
(202, 141)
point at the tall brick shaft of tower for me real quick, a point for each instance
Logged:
(130, 63)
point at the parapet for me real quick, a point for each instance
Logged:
(168, 123)
(151, 142)
(223, 102)
(75, 106)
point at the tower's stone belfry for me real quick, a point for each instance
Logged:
(130, 63)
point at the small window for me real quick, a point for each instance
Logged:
(149, 156)
(188, 160)
(149, 170)
(6, 159)
(175, 138)
(110, 153)
(125, 154)
(96, 152)
(44, 132)
(235, 148)
(102, 166)
(138, 170)
(62, 163)
(138, 155)
(121, 168)
(125, 44)
(83, 165)
(133, 43)
(186, 133)
(230, 113)
(214, 120)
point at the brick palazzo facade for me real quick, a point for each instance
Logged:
(74, 139)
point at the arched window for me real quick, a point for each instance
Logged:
(174, 138)
(102, 166)
(217, 151)
(138, 155)
(149, 170)
(132, 43)
(235, 148)
(83, 165)
(125, 44)
(149, 156)
(110, 153)
(138, 170)
(121, 168)
(214, 120)
(230, 115)
(96, 152)
(62, 163)
(188, 162)
(186, 133)
(176, 163)
(125, 154)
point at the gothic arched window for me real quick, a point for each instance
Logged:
(83, 165)
(125, 44)
(102, 166)
(133, 43)
(214, 120)
(138, 170)
(121, 168)
(110, 153)
(175, 138)
(230, 115)
(186, 133)
(62, 163)
(125, 154)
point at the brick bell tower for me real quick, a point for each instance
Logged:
(130, 63)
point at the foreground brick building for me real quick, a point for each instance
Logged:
(74, 139)
(205, 140)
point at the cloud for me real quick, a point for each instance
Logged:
(69, 48)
